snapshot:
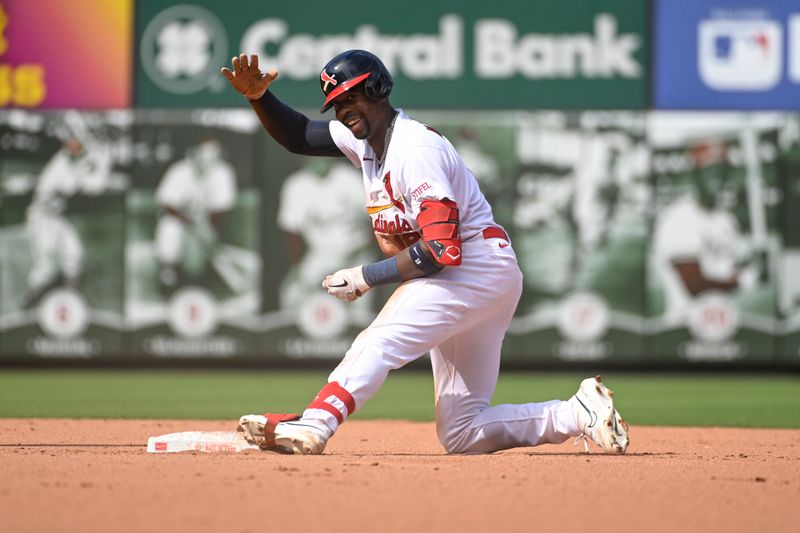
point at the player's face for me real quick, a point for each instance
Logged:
(355, 111)
(74, 147)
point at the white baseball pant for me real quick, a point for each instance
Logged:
(55, 247)
(460, 315)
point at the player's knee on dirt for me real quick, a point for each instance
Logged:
(454, 431)
(455, 441)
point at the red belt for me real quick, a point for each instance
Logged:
(494, 232)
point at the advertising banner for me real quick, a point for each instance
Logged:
(193, 263)
(61, 259)
(578, 226)
(447, 54)
(726, 54)
(711, 284)
(789, 267)
(66, 54)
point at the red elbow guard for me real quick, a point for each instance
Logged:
(438, 223)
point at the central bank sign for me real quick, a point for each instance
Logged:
(590, 56)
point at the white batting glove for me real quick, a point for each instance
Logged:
(347, 284)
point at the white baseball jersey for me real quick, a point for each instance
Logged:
(185, 188)
(65, 176)
(420, 165)
(55, 243)
(687, 232)
(324, 209)
(459, 314)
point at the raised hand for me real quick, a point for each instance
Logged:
(247, 78)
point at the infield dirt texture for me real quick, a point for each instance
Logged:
(95, 476)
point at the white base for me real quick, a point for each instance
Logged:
(200, 441)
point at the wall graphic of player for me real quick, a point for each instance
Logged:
(81, 166)
(569, 201)
(193, 196)
(458, 275)
(482, 164)
(789, 295)
(321, 209)
(697, 243)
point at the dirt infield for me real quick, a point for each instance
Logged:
(95, 476)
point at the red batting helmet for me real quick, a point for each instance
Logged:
(350, 68)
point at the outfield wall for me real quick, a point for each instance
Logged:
(649, 183)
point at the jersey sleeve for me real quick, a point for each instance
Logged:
(423, 175)
(346, 142)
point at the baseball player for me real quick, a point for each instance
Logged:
(458, 275)
(698, 246)
(320, 210)
(193, 195)
(79, 167)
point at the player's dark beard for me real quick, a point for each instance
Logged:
(364, 135)
(365, 128)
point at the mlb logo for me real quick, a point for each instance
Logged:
(740, 55)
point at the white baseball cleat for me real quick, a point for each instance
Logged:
(593, 407)
(290, 437)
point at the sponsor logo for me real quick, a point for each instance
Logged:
(582, 351)
(168, 346)
(419, 190)
(500, 52)
(713, 318)
(322, 317)
(327, 79)
(418, 56)
(79, 348)
(192, 313)
(740, 55)
(698, 351)
(182, 48)
(63, 314)
(583, 317)
(302, 348)
(453, 252)
(210, 447)
(161, 446)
